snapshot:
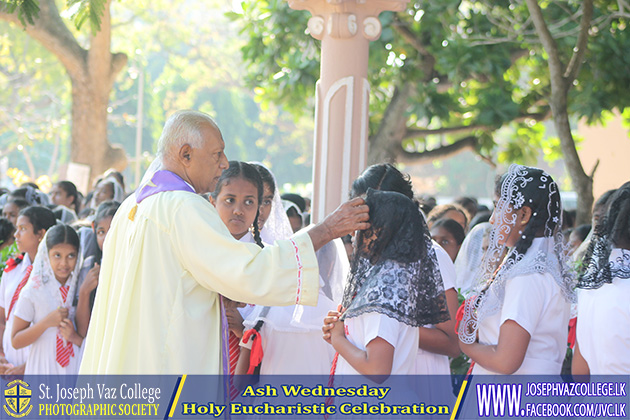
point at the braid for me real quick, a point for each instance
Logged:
(257, 231)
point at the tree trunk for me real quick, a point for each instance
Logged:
(561, 82)
(92, 73)
(582, 183)
(385, 144)
(89, 128)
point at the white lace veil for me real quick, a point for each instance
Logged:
(469, 258)
(119, 193)
(333, 269)
(43, 276)
(540, 249)
(277, 225)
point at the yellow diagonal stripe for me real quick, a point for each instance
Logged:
(179, 391)
(459, 398)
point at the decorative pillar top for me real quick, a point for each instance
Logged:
(342, 19)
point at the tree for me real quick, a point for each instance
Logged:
(33, 95)
(92, 71)
(186, 63)
(447, 75)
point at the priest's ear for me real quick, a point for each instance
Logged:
(184, 155)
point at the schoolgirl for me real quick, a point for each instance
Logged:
(44, 313)
(394, 287)
(32, 224)
(516, 321)
(603, 326)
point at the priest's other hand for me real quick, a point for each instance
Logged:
(349, 217)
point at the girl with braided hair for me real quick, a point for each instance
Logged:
(237, 198)
(604, 293)
(281, 340)
(516, 321)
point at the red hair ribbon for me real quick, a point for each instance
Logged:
(256, 355)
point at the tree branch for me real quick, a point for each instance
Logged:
(548, 42)
(50, 30)
(416, 133)
(442, 152)
(410, 37)
(581, 45)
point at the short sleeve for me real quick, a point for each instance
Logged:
(247, 345)
(3, 292)
(25, 308)
(378, 325)
(447, 267)
(524, 301)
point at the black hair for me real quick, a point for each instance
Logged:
(481, 217)
(600, 207)
(23, 193)
(62, 234)
(116, 175)
(469, 203)
(292, 212)
(383, 177)
(40, 217)
(438, 212)
(542, 199)
(6, 230)
(582, 231)
(19, 202)
(266, 176)
(30, 184)
(393, 220)
(296, 199)
(71, 190)
(568, 219)
(453, 227)
(249, 173)
(106, 209)
(616, 223)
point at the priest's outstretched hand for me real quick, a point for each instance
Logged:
(349, 217)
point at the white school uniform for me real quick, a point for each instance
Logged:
(429, 363)
(289, 349)
(535, 302)
(8, 285)
(603, 327)
(361, 330)
(33, 305)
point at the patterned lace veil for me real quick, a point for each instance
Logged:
(600, 269)
(395, 270)
(539, 249)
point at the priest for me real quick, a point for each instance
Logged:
(168, 258)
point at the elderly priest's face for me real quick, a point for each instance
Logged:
(208, 162)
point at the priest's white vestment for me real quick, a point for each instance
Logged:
(165, 262)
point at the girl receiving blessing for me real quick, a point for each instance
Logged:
(394, 287)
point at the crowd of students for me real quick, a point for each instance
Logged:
(389, 296)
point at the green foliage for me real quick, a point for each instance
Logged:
(34, 97)
(27, 10)
(87, 10)
(187, 59)
(490, 72)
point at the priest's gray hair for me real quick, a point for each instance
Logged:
(183, 127)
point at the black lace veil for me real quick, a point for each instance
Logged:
(612, 231)
(395, 270)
